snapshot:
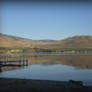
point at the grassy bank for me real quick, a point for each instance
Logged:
(22, 50)
(26, 85)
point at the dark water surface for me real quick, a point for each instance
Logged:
(51, 67)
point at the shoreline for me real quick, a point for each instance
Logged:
(48, 53)
(30, 85)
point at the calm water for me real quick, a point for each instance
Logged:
(52, 67)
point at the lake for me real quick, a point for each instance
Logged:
(59, 67)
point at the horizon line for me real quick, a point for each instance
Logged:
(41, 39)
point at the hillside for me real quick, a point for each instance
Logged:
(77, 41)
(12, 41)
(73, 42)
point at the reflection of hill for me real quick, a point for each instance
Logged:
(78, 61)
(81, 62)
(50, 63)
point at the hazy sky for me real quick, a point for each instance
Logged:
(47, 20)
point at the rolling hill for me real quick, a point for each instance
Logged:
(13, 41)
(72, 42)
(76, 42)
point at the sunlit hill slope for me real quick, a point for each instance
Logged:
(72, 42)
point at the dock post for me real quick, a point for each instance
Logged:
(0, 66)
(26, 61)
(6, 60)
(20, 62)
(23, 61)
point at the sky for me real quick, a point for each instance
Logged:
(54, 21)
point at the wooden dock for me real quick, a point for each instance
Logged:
(19, 62)
(13, 63)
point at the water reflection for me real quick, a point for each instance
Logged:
(51, 67)
(12, 62)
(77, 61)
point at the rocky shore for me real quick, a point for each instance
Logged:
(28, 85)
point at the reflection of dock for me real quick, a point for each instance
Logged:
(13, 63)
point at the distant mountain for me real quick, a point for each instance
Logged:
(45, 40)
(72, 42)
